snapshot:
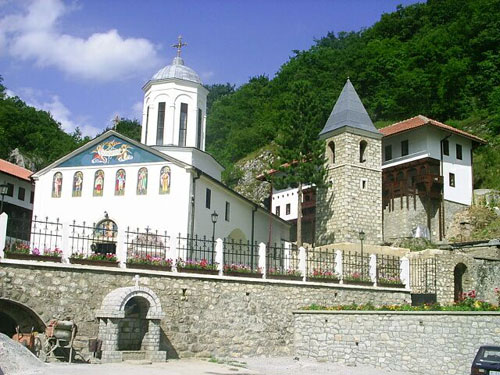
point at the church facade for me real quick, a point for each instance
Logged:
(165, 182)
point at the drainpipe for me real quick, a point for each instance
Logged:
(193, 199)
(441, 205)
(254, 210)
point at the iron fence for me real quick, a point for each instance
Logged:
(239, 253)
(196, 249)
(147, 244)
(388, 269)
(94, 239)
(320, 262)
(423, 276)
(281, 260)
(355, 266)
(38, 235)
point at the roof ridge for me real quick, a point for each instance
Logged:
(408, 119)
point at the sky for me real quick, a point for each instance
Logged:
(86, 61)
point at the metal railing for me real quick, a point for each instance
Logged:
(423, 278)
(320, 263)
(355, 266)
(147, 244)
(388, 269)
(36, 235)
(241, 254)
(196, 249)
(281, 260)
(94, 239)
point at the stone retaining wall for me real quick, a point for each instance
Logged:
(416, 342)
(204, 315)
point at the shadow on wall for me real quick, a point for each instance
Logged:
(167, 346)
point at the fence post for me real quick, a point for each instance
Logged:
(121, 248)
(65, 247)
(339, 265)
(173, 252)
(287, 255)
(373, 268)
(219, 255)
(262, 259)
(404, 272)
(3, 232)
(303, 262)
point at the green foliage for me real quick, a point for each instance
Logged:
(439, 59)
(217, 91)
(485, 223)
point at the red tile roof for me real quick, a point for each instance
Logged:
(418, 121)
(15, 170)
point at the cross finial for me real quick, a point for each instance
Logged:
(179, 45)
(136, 279)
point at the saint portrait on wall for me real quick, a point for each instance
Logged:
(57, 185)
(99, 183)
(142, 181)
(120, 182)
(77, 184)
(165, 180)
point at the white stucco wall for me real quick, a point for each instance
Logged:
(17, 182)
(283, 197)
(173, 92)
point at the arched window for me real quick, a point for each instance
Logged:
(362, 149)
(120, 182)
(331, 151)
(77, 184)
(142, 181)
(165, 180)
(183, 124)
(57, 185)
(98, 183)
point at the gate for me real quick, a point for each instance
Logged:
(423, 281)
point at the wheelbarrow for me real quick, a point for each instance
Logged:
(59, 334)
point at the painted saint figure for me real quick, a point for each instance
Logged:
(77, 184)
(98, 183)
(142, 181)
(57, 185)
(120, 182)
(165, 180)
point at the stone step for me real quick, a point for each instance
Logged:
(133, 355)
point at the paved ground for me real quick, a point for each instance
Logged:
(249, 366)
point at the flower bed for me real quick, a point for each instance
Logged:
(197, 266)
(323, 276)
(241, 270)
(95, 259)
(280, 274)
(149, 262)
(390, 282)
(357, 279)
(22, 251)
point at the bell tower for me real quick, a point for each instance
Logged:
(352, 200)
(175, 103)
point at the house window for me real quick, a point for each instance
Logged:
(228, 211)
(388, 152)
(77, 184)
(459, 152)
(208, 198)
(446, 147)
(10, 189)
(32, 197)
(287, 208)
(404, 148)
(362, 149)
(452, 179)
(277, 210)
(21, 193)
(57, 185)
(183, 124)
(331, 147)
(199, 128)
(161, 123)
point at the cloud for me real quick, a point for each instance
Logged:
(207, 75)
(137, 111)
(33, 35)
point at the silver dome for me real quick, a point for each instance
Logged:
(177, 70)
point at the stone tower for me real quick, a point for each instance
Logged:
(352, 201)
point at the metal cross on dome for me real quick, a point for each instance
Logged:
(179, 45)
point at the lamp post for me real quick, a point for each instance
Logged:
(361, 235)
(214, 216)
(4, 189)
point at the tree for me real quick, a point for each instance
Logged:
(299, 153)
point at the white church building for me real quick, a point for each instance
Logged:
(165, 182)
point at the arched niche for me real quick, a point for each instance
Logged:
(14, 314)
(459, 277)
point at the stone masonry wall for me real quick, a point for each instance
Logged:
(205, 315)
(416, 342)
(353, 199)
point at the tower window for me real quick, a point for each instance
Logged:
(388, 152)
(446, 147)
(183, 124)
(452, 179)
(363, 184)
(147, 123)
(199, 129)
(208, 198)
(161, 123)
(287, 208)
(362, 149)
(404, 147)
(277, 211)
(331, 147)
(459, 152)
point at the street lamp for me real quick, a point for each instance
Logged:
(214, 218)
(361, 235)
(4, 189)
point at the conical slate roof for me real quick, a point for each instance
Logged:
(349, 111)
